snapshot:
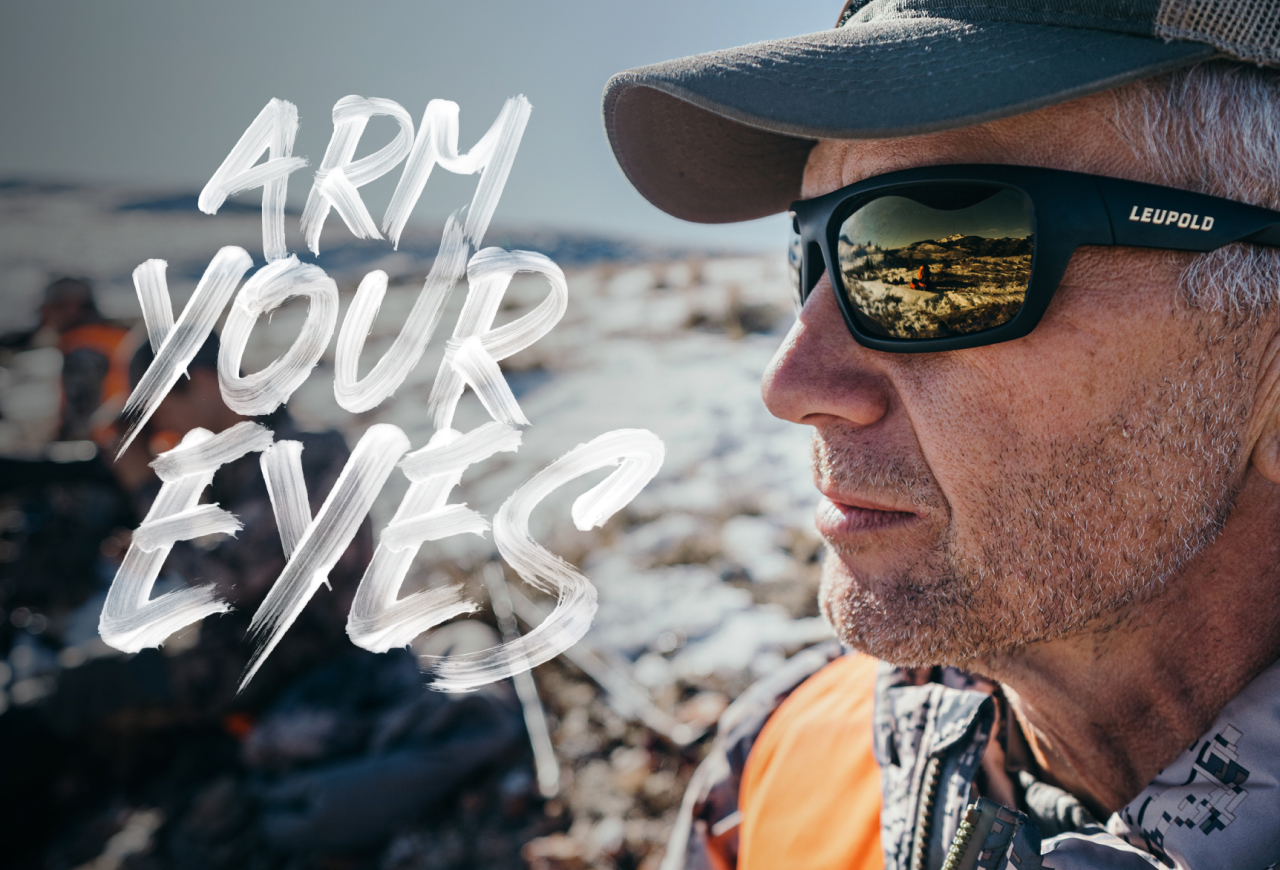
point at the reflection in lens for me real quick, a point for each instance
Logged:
(936, 261)
(793, 271)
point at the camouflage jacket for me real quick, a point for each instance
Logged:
(1217, 805)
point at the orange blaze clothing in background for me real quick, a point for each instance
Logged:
(810, 797)
(105, 338)
(111, 342)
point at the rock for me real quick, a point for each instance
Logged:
(702, 710)
(631, 767)
(555, 852)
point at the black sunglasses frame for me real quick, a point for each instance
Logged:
(1068, 209)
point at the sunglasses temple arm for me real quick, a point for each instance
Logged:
(1269, 236)
(817, 267)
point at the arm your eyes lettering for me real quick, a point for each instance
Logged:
(379, 619)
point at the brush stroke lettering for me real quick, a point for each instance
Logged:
(131, 620)
(379, 619)
(638, 455)
(272, 131)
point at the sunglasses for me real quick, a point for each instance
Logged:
(949, 257)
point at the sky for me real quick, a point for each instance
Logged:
(894, 221)
(154, 94)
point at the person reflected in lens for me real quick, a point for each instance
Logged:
(923, 279)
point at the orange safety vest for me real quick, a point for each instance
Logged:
(810, 794)
(110, 341)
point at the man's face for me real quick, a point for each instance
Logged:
(983, 499)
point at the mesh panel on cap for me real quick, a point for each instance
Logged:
(1248, 29)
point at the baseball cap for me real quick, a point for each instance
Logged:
(724, 136)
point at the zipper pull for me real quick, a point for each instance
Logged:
(992, 837)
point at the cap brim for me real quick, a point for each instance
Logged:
(724, 136)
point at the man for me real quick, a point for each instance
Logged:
(1051, 494)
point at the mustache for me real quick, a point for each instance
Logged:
(843, 459)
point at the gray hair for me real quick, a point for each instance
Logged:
(1214, 128)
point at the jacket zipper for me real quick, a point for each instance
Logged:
(924, 814)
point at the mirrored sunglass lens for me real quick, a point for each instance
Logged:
(794, 260)
(937, 260)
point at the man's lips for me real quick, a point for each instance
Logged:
(843, 515)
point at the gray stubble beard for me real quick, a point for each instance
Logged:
(1088, 560)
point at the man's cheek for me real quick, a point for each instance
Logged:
(971, 455)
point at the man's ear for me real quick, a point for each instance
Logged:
(1266, 414)
(1266, 453)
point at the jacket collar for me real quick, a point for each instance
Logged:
(1218, 804)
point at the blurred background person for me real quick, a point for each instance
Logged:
(95, 359)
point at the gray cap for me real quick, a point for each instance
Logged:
(724, 136)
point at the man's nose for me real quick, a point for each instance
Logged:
(821, 372)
